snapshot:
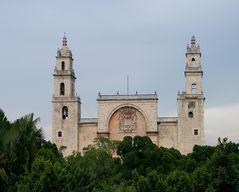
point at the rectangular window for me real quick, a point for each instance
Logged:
(195, 132)
(59, 134)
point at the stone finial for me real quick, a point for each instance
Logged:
(193, 41)
(64, 41)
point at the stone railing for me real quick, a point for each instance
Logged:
(125, 97)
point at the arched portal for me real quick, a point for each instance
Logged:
(126, 121)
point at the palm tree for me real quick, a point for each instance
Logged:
(4, 125)
(27, 140)
(19, 142)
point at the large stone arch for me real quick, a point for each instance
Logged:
(126, 105)
(126, 120)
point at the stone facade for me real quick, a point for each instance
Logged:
(127, 115)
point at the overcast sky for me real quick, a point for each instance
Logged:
(112, 38)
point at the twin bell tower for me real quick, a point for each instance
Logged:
(127, 115)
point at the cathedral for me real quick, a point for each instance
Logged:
(127, 115)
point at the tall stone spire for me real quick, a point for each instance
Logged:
(64, 41)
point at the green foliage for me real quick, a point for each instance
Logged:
(29, 163)
(107, 145)
(19, 143)
(44, 176)
(223, 166)
(179, 181)
(201, 153)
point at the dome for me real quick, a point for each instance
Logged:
(64, 51)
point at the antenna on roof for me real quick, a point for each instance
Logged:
(127, 84)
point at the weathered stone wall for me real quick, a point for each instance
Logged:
(87, 134)
(186, 125)
(68, 126)
(167, 134)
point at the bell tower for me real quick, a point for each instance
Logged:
(65, 103)
(191, 102)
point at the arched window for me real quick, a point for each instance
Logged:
(191, 108)
(193, 62)
(62, 65)
(194, 88)
(62, 89)
(59, 134)
(190, 114)
(64, 112)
